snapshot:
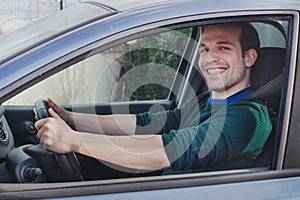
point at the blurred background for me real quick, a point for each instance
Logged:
(17, 13)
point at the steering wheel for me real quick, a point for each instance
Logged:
(68, 163)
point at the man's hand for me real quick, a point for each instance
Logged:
(63, 114)
(55, 135)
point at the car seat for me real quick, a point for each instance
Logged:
(267, 79)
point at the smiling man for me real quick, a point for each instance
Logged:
(225, 67)
(216, 130)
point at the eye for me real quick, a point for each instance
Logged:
(203, 50)
(223, 48)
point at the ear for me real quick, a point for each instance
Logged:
(250, 57)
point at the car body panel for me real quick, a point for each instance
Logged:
(271, 184)
(202, 6)
(267, 189)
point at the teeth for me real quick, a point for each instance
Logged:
(215, 71)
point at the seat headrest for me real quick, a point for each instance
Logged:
(270, 64)
(267, 73)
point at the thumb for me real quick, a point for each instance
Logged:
(53, 113)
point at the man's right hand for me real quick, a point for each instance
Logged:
(63, 113)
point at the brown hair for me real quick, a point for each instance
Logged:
(249, 38)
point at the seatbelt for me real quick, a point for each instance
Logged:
(270, 89)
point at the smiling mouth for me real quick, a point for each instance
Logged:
(215, 71)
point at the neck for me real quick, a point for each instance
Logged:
(224, 94)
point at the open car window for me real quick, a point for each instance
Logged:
(137, 70)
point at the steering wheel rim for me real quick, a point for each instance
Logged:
(68, 163)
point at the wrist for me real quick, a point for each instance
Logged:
(76, 144)
(70, 119)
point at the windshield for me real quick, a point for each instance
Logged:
(55, 24)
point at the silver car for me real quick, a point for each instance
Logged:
(133, 56)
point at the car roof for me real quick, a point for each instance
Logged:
(217, 5)
(130, 4)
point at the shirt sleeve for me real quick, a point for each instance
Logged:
(164, 122)
(160, 122)
(225, 135)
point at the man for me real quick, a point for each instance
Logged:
(217, 130)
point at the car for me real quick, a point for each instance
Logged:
(130, 56)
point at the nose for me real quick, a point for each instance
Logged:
(212, 55)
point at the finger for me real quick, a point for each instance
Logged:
(53, 105)
(39, 124)
(49, 102)
(39, 135)
(42, 140)
(35, 114)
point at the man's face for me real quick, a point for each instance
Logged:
(221, 61)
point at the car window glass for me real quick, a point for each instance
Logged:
(56, 24)
(140, 69)
(269, 35)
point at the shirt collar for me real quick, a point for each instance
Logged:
(232, 99)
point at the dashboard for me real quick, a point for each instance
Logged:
(6, 136)
(20, 164)
(6, 145)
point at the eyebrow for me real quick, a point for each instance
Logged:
(219, 42)
(225, 42)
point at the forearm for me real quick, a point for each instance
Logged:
(119, 124)
(136, 152)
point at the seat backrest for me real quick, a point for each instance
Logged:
(269, 65)
(267, 76)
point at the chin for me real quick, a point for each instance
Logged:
(216, 88)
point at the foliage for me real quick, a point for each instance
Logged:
(164, 50)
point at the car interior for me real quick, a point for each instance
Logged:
(267, 80)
